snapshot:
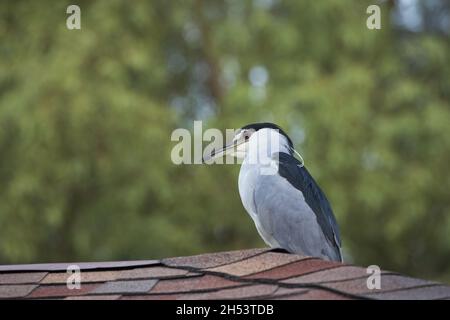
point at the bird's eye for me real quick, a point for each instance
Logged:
(246, 137)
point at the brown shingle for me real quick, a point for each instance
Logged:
(86, 277)
(52, 291)
(103, 276)
(212, 260)
(152, 272)
(83, 265)
(153, 297)
(25, 277)
(206, 282)
(94, 297)
(15, 291)
(388, 283)
(250, 291)
(257, 264)
(295, 269)
(334, 274)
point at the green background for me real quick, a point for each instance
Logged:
(86, 118)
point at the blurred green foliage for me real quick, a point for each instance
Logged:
(86, 117)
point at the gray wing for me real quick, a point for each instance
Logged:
(295, 212)
(297, 175)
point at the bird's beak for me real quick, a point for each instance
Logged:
(226, 150)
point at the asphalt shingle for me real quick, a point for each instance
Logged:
(22, 278)
(85, 277)
(257, 264)
(387, 283)
(249, 291)
(212, 260)
(60, 291)
(207, 282)
(94, 297)
(247, 274)
(82, 265)
(422, 293)
(315, 294)
(130, 286)
(15, 291)
(156, 272)
(334, 274)
(295, 269)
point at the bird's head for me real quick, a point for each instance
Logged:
(251, 137)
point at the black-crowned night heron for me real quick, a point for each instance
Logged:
(289, 209)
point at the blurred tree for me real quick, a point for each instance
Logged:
(86, 117)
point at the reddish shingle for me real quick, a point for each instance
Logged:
(257, 264)
(295, 269)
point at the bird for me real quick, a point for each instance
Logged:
(289, 209)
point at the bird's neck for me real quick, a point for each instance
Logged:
(264, 144)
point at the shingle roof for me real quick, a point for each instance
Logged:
(246, 274)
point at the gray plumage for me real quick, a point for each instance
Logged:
(289, 209)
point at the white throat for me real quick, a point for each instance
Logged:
(263, 144)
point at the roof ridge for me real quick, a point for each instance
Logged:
(261, 273)
(62, 266)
